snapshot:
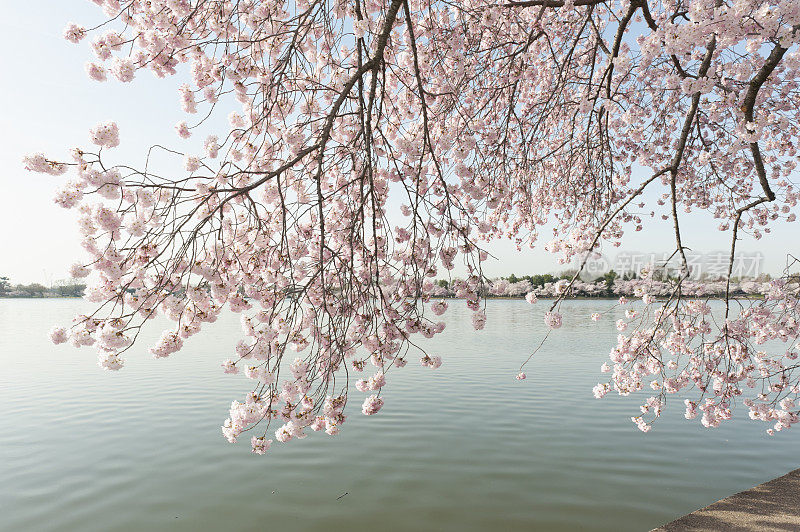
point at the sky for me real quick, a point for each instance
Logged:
(48, 104)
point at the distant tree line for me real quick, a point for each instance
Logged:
(65, 288)
(610, 284)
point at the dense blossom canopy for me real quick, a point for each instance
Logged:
(375, 144)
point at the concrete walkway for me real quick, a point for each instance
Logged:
(772, 506)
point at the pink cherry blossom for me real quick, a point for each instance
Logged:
(58, 335)
(372, 405)
(552, 319)
(260, 444)
(39, 163)
(105, 135)
(110, 362)
(478, 320)
(182, 129)
(123, 69)
(74, 33)
(229, 366)
(96, 72)
(600, 390)
(439, 307)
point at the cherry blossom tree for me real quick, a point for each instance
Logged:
(373, 144)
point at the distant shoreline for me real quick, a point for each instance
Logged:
(42, 297)
(614, 298)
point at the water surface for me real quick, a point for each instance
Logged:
(462, 448)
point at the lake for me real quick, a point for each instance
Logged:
(465, 447)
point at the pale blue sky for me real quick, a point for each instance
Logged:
(48, 104)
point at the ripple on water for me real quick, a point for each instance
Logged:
(462, 448)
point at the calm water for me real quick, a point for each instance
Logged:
(462, 448)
